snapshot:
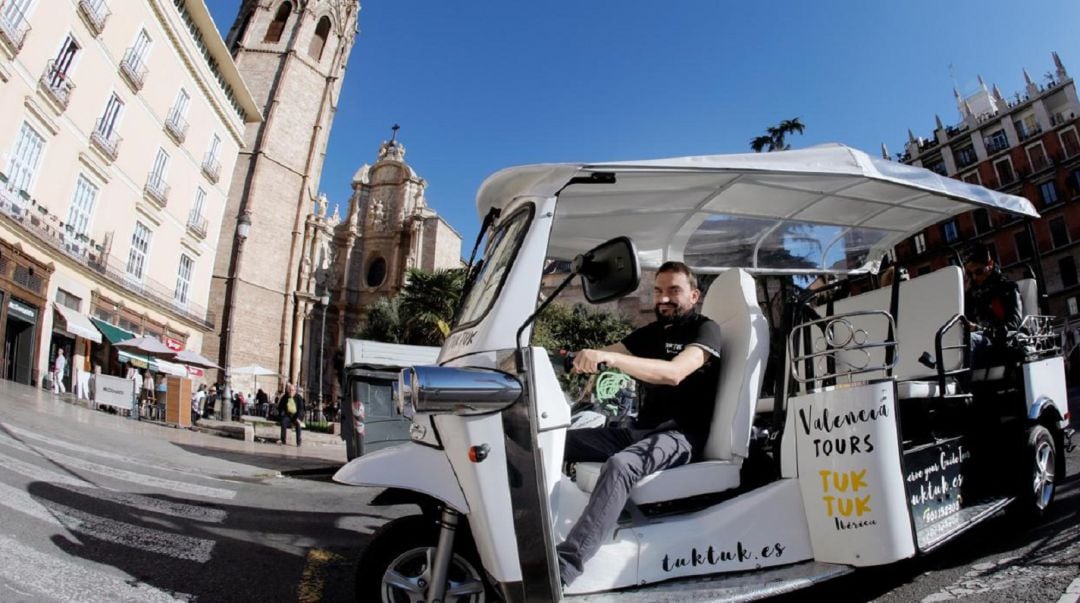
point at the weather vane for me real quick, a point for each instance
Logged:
(395, 128)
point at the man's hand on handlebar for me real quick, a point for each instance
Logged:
(593, 361)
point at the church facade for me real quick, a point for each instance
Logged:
(352, 261)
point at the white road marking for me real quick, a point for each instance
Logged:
(121, 474)
(137, 501)
(1072, 593)
(50, 577)
(1050, 559)
(51, 441)
(14, 498)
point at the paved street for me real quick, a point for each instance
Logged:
(99, 508)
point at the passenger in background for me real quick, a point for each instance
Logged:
(992, 304)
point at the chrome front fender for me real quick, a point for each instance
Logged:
(410, 467)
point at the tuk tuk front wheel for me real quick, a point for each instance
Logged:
(1040, 471)
(396, 566)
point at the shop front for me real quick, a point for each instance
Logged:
(23, 283)
(75, 334)
(20, 336)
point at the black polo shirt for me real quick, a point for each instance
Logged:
(689, 404)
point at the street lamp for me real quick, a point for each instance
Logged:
(243, 229)
(325, 301)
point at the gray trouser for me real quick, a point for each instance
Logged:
(290, 421)
(628, 455)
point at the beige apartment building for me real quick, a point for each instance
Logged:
(120, 123)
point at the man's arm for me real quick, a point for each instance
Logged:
(649, 370)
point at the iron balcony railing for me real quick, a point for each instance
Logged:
(106, 139)
(96, 13)
(993, 146)
(157, 190)
(197, 225)
(176, 126)
(133, 68)
(57, 83)
(212, 168)
(93, 255)
(13, 24)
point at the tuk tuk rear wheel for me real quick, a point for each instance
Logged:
(1040, 469)
(395, 567)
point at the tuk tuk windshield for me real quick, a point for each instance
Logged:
(488, 277)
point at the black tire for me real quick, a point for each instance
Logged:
(394, 567)
(1039, 471)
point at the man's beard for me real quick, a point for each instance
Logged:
(677, 316)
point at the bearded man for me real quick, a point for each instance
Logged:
(676, 363)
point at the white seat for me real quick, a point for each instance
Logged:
(907, 390)
(732, 302)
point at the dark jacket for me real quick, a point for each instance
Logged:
(994, 305)
(283, 401)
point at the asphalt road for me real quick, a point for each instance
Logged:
(100, 508)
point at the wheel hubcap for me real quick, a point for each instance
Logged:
(1043, 485)
(409, 576)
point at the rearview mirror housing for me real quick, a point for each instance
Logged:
(609, 271)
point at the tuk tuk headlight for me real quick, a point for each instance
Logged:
(462, 391)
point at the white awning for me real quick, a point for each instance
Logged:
(154, 364)
(77, 324)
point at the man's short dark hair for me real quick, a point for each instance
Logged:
(978, 254)
(679, 268)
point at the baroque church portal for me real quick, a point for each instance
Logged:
(365, 256)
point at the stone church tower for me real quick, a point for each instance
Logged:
(292, 55)
(365, 256)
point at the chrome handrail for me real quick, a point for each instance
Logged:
(839, 334)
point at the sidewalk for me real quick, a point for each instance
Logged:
(319, 450)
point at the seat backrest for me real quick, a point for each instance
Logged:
(926, 304)
(732, 302)
(1029, 296)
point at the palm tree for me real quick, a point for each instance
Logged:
(427, 305)
(775, 137)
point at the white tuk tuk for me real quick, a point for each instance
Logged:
(880, 443)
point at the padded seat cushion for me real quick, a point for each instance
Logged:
(923, 389)
(705, 477)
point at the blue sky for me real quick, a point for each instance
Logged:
(484, 84)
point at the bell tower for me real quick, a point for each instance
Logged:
(292, 55)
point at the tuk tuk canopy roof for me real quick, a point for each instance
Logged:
(825, 209)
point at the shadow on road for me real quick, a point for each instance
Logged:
(230, 553)
(267, 460)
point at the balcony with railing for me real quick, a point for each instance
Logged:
(1026, 133)
(197, 225)
(211, 167)
(57, 84)
(106, 140)
(134, 69)
(95, 13)
(176, 126)
(157, 190)
(994, 145)
(34, 221)
(13, 25)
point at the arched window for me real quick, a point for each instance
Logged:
(318, 41)
(277, 26)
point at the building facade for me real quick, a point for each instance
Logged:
(352, 262)
(292, 56)
(119, 125)
(1028, 145)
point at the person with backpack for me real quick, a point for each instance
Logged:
(290, 409)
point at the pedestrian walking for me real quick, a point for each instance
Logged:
(58, 372)
(290, 409)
